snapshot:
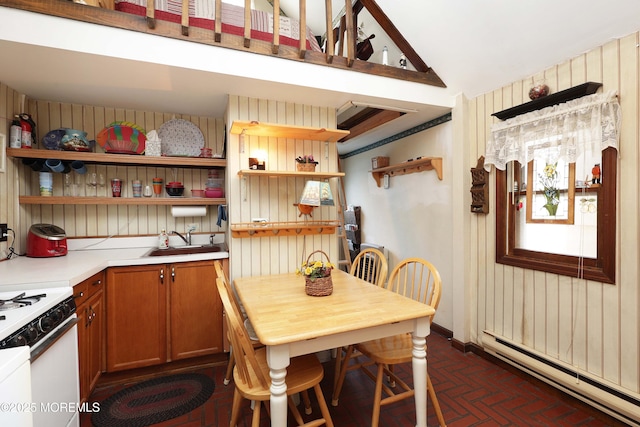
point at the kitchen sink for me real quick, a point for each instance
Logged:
(186, 250)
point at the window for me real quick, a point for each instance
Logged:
(565, 142)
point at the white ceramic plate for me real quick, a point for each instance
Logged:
(180, 138)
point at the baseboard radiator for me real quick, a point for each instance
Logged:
(608, 398)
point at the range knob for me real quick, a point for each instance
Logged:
(45, 324)
(19, 340)
(56, 315)
(31, 333)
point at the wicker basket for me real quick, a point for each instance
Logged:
(321, 286)
(306, 167)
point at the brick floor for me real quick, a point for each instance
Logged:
(472, 392)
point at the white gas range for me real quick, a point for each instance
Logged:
(44, 322)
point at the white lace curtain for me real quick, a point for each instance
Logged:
(587, 124)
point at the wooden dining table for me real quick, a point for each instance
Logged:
(291, 323)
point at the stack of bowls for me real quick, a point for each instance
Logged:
(175, 189)
(214, 188)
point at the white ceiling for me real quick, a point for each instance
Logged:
(478, 46)
(474, 46)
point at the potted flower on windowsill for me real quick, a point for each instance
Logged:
(305, 163)
(317, 275)
(549, 181)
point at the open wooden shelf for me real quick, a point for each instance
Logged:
(289, 174)
(575, 92)
(121, 159)
(413, 166)
(287, 131)
(280, 229)
(171, 201)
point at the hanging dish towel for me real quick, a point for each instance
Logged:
(222, 215)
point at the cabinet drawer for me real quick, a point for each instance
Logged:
(87, 288)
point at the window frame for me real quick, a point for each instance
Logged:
(601, 269)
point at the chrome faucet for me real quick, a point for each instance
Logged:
(187, 239)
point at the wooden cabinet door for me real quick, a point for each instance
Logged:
(95, 338)
(195, 310)
(83, 326)
(88, 297)
(136, 316)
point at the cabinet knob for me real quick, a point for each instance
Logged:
(162, 275)
(80, 295)
(173, 274)
(97, 282)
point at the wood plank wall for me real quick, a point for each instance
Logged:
(111, 220)
(593, 326)
(273, 198)
(10, 104)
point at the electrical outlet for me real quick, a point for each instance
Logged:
(3, 232)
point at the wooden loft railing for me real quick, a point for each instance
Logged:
(215, 37)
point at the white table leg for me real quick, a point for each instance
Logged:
(419, 367)
(278, 360)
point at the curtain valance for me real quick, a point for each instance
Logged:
(587, 124)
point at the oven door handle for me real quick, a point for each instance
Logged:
(52, 338)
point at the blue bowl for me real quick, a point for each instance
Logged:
(53, 138)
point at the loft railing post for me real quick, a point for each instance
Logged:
(151, 14)
(329, 32)
(185, 17)
(217, 36)
(247, 23)
(276, 27)
(350, 33)
(303, 29)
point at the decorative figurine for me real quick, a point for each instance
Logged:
(403, 62)
(596, 174)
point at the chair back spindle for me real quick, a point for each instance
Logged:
(417, 279)
(370, 265)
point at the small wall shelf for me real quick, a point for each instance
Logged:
(288, 174)
(575, 92)
(172, 201)
(280, 229)
(413, 166)
(287, 131)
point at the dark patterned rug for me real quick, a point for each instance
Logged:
(154, 401)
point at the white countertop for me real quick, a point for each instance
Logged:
(87, 257)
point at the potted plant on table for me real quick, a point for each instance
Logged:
(317, 275)
(305, 163)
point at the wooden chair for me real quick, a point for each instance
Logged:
(252, 335)
(417, 279)
(370, 265)
(251, 372)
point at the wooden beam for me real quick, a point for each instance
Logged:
(375, 119)
(395, 35)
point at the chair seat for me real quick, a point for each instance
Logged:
(252, 333)
(302, 374)
(389, 350)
